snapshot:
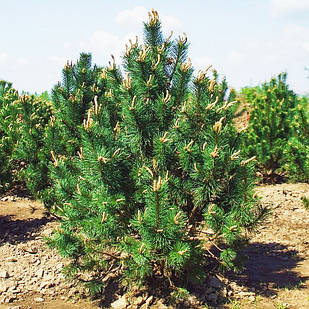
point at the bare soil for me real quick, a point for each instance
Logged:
(276, 273)
(277, 267)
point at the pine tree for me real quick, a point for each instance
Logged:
(22, 125)
(9, 135)
(271, 111)
(34, 114)
(71, 100)
(158, 177)
(296, 152)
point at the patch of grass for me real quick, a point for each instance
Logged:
(179, 294)
(257, 300)
(305, 201)
(235, 304)
(282, 306)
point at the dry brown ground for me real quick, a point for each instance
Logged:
(277, 269)
(276, 273)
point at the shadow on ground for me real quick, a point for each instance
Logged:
(16, 231)
(269, 267)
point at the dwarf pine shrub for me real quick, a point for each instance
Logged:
(70, 102)
(148, 173)
(23, 119)
(9, 135)
(271, 108)
(34, 114)
(296, 152)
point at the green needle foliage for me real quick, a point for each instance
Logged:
(296, 153)
(271, 111)
(35, 112)
(9, 118)
(71, 101)
(147, 168)
(23, 120)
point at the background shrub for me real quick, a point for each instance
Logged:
(34, 114)
(10, 118)
(296, 152)
(272, 107)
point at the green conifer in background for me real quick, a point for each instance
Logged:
(9, 134)
(148, 172)
(272, 106)
(22, 121)
(296, 152)
(34, 114)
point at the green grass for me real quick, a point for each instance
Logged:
(305, 202)
(282, 306)
(235, 304)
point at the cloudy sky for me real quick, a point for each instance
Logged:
(248, 41)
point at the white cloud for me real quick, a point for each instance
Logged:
(286, 7)
(102, 44)
(132, 17)
(3, 58)
(103, 41)
(170, 23)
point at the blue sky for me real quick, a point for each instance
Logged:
(248, 41)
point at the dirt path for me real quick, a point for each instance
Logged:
(276, 273)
